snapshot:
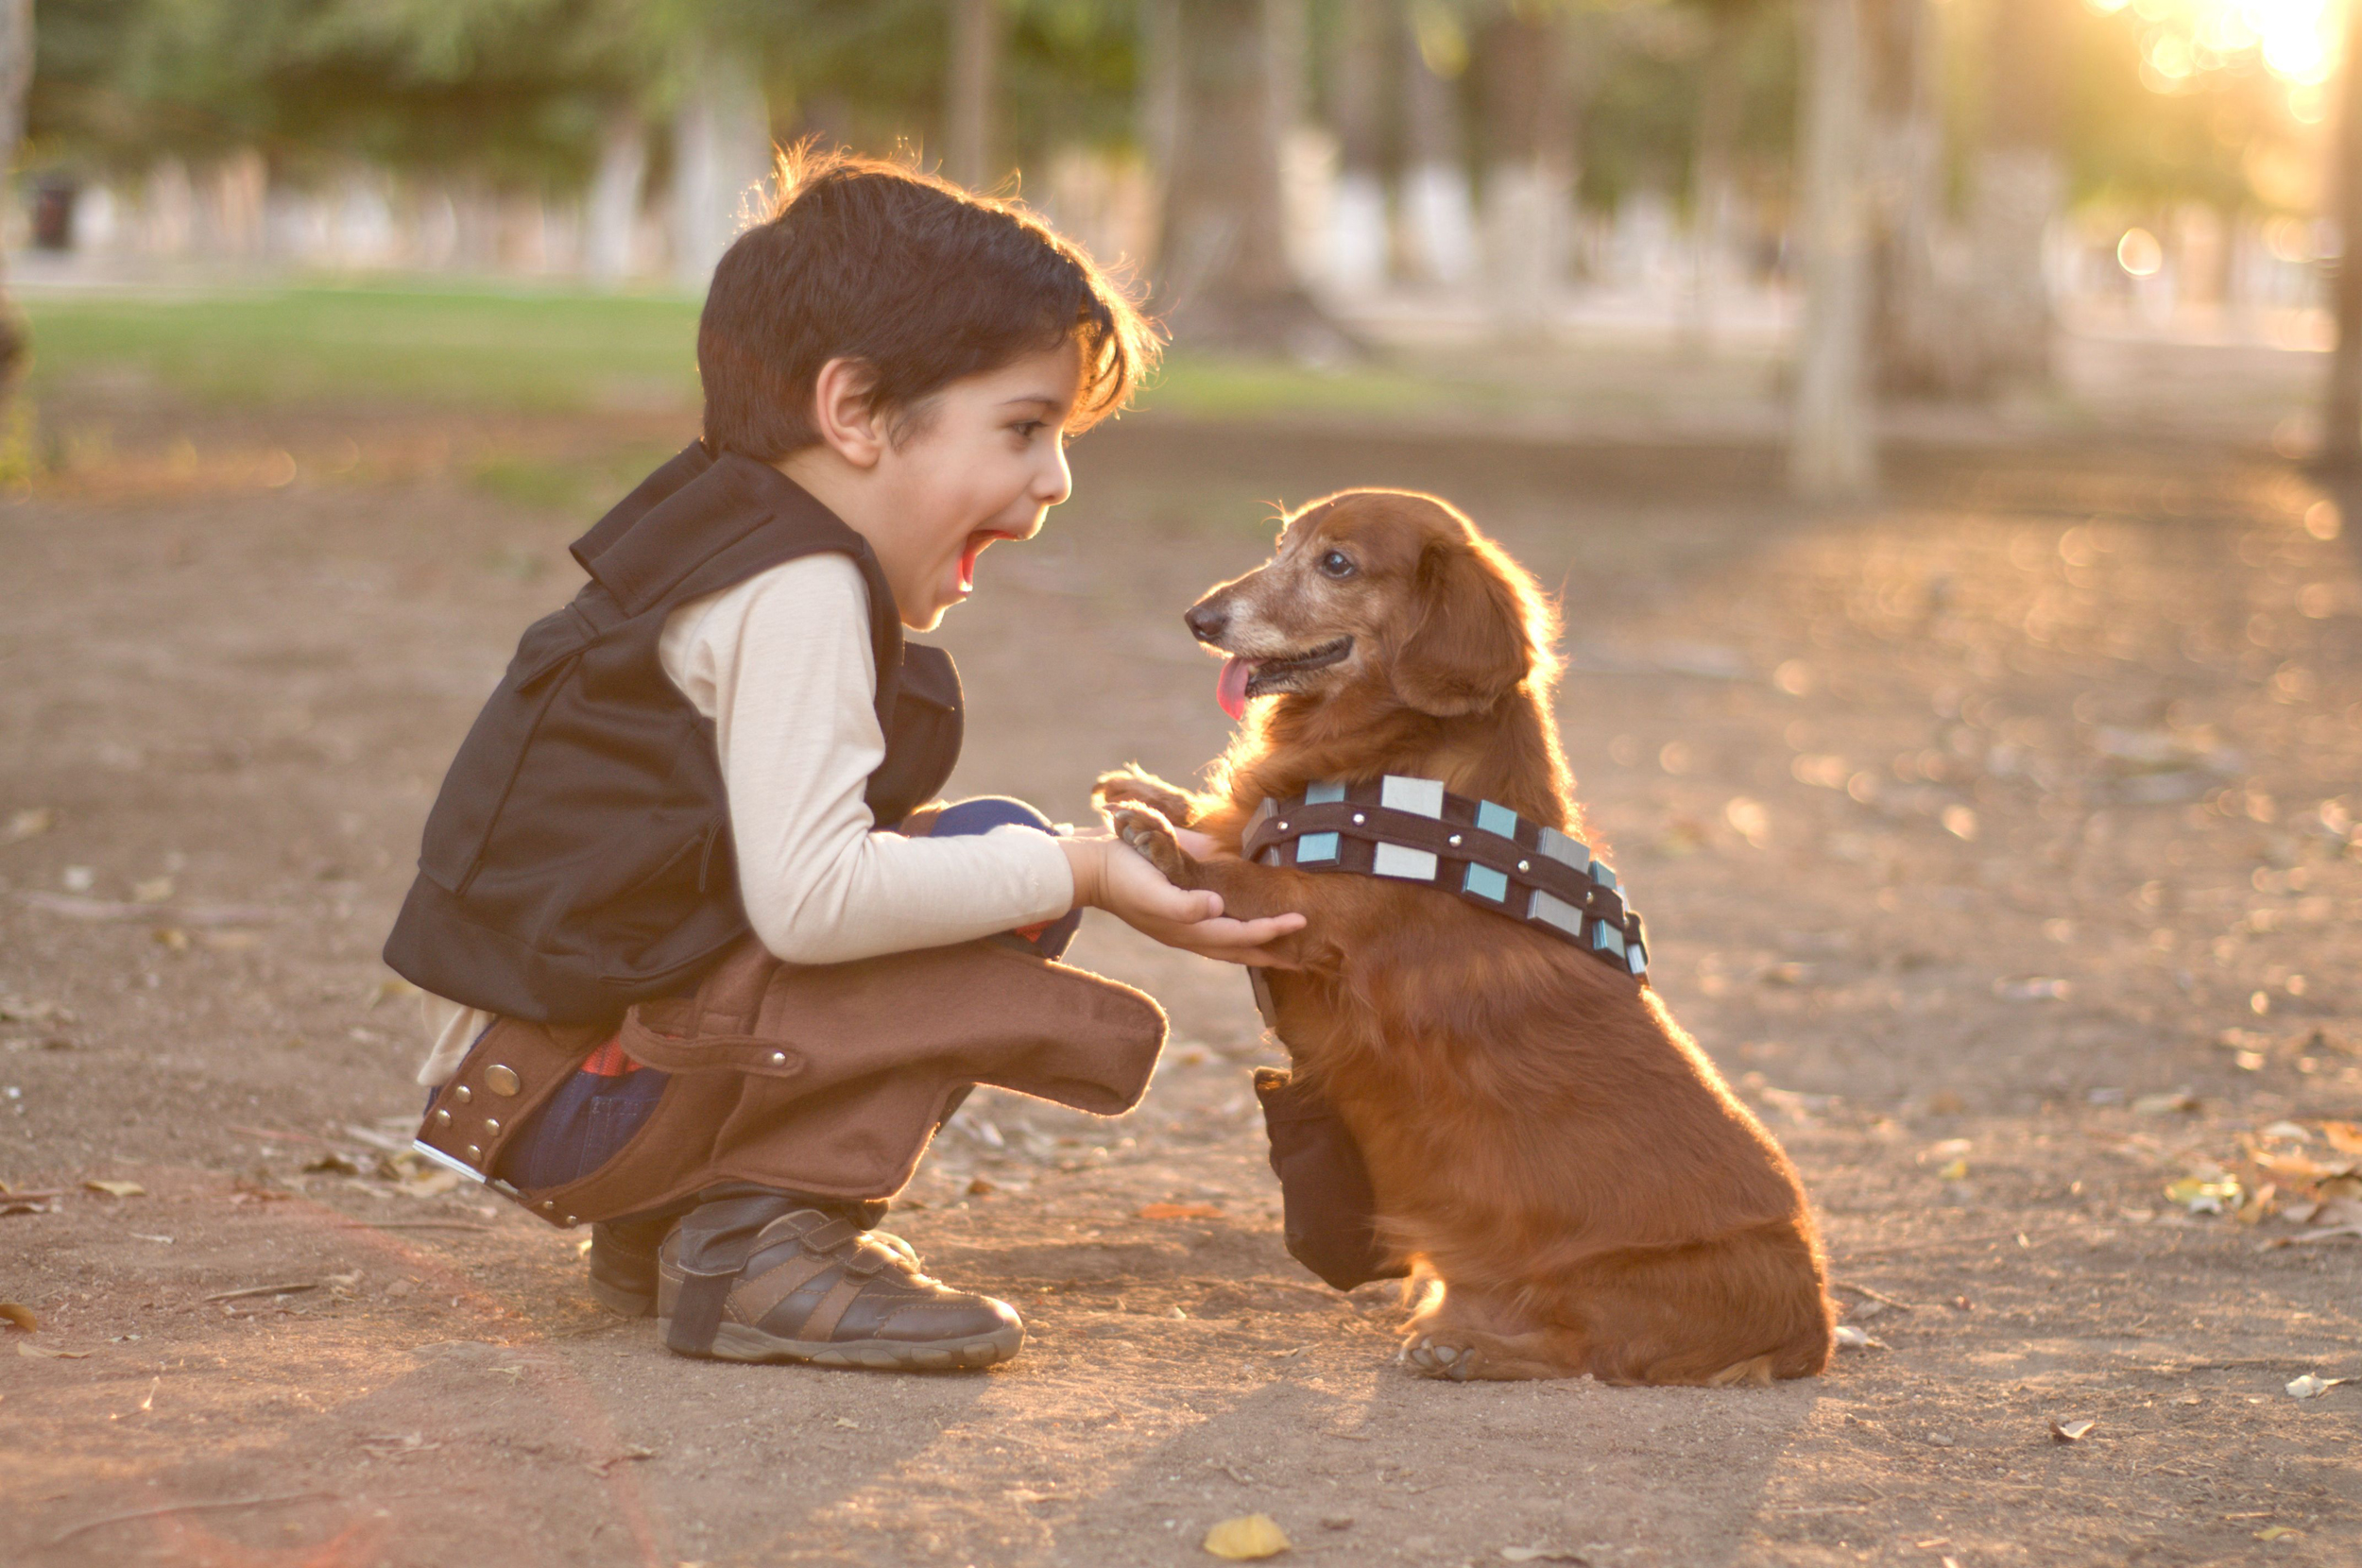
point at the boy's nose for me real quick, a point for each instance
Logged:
(1207, 619)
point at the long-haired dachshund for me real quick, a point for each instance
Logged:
(1542, 1139)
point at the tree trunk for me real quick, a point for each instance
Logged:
(1224, 278)
(1832, 454)
(1526, 178)
(611, 217)
(1915, 341)
(1710, 180)
(1438, 219)
(2342, 415)
(2017, 186)
(721, 150)
(967, 98)
(1357, 221)
(16, 76)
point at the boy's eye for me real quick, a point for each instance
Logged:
(1028, 428)
(1336, 564)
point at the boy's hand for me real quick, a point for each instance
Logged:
(1109, 875)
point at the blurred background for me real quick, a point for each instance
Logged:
(1798, 219)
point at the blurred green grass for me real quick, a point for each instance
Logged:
(324, 348)
(520, 352)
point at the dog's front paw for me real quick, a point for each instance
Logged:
(1130, 786)
(1151, 835)
(1431, 1357)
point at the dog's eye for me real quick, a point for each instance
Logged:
(1336, 564)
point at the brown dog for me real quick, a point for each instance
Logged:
(1542, 1137)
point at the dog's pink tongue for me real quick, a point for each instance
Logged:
(1230, 690)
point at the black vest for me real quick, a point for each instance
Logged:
(579, 858)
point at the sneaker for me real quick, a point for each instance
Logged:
(816, 1288)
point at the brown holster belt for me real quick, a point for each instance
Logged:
(826, 1079)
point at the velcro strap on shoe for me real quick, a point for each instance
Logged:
(697, 1311)
(834, 1236)
(754, 1298)
(830, 1311)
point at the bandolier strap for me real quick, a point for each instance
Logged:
(1413, 830)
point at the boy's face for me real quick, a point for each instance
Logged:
(983, 460)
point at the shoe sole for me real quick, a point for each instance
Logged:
(739, 1342)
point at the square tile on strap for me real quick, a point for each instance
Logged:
(1566, 851)
(1421, 796)
(1485, 883)
(1636, 958)
(1326, 793)
(1555, 911)
(1397, 860)
(1603, 875)
(1317, 849)
(1497, 818)
(1607, 939)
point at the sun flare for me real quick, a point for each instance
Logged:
(2297, 41)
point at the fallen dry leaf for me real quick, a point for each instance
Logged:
(1540, 1554)
(117, 1189)
(331, 1164)
(2199, 1196)
(1246, 1538)
(1180, 1211)
(2274, 1532)
(30, 824)
(2310, 1387)
(2343, 1136)
(20, 1315)
(2071, 1431)
(1850, 1338)
(2178, 1102)
(26, 1347)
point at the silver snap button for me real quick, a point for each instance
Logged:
(1525, 865)
(779, 1059)
(1455, 841)
(1359, 819)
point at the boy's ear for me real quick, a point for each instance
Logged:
(845, 411)
(1467, 645)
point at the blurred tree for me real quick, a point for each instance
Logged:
(2017, 187)
(16, 76)
(1223, 277)
(2342, 413)
(1528, 149)
(1832, 450)
(1913, 331)
(1357, 243)
(967, 112)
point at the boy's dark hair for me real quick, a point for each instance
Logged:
(924, 281)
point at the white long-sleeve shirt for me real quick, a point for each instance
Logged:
(781, 664)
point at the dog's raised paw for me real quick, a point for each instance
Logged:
(1151, 835)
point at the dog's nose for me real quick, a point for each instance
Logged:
(1207, 619)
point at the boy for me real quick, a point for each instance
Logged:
(701, 967)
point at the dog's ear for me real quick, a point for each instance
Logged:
(1467, 645)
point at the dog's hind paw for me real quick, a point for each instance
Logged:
(1457, 1363)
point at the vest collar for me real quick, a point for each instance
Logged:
(689, 510)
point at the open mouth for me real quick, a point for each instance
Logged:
(1243, 679)
(975, 547)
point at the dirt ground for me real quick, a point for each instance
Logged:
(1998, 841)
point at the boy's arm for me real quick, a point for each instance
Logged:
(782, 665)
